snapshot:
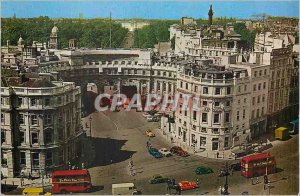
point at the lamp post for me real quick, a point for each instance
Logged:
(90, 119)
(225, 192)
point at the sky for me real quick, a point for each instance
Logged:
(147, 9)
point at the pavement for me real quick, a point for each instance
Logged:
(119, 137)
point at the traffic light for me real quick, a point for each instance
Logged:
(266, 179)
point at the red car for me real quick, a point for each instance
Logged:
(187, 185)
(179, 151)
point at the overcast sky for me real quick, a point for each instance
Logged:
(147, 9)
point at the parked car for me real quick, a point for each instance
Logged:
(203, 170)
(149, 133)
(155, 153)
(146, 115)
(179, 151)
(187, 185)
(165, 152)
(152, 118)
(158, 179)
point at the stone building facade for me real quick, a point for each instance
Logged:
(40, 125)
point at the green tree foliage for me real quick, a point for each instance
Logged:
(247, 36)
(156, 32)
(90, 33)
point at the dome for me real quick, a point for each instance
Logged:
(54, 30)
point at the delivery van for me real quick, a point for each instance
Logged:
(124, 189)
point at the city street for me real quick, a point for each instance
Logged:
(119, 137)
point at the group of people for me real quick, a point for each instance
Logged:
(171, 184)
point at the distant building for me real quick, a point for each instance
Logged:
(53, 43)
(133, 25)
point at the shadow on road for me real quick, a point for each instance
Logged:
(97, 188)
(106, 151)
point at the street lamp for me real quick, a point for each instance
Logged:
(90, 119)
(226, 174)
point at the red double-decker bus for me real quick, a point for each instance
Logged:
(71, 181)
(257, 165)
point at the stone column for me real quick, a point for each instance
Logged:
(155, 86)
(138, 86)
(148, 87)
(161, 87)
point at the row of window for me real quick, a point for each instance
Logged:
(45, 101)
(259, 86)
(216, 117)
(217, 90)
(258, 113)
(258, 99)
(260, 73)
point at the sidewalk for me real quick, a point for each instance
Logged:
(224, 155)
(24, 182)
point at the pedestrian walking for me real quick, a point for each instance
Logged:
(220, 189)
(252, 181)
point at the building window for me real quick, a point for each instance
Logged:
(227, 117)
(195, 115)
(259, 86)
(47, 119)
(258, 99)
(265, 72)
(264, 85)
(228, 90)
(3, 136)
(245, 100)
(260, 72)
(255, 73)
(203, 141)
(205, 90)
(253, 114)
(215, 144)
(35, 159)
(217, 91)
(48, 136)
(59, 100)
(34, 138)
(217, 118)
(20, 101)
(245, 88)
(262, 111)
(22, 136)
(227, 103)
(2, 118)
(217, 104)
(185, 113)
(237, 115)
(34, 120)
(244, 113)
(47, 101)
(204, 117)
(239, 89)
(3, 158)
(204, 103)
(49, 158)
(204, 130)
(263, 98)
(257, 113)
(253, 101)
(254, 87)
(22, 158)
(21, 119)
(33, 102)
(239, 102)
(180, 84)
(215, 130)
(226, 142)
(186, 86)
(2, 101)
